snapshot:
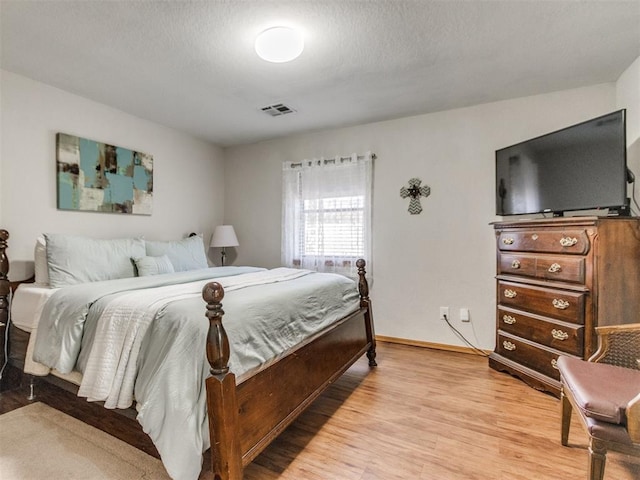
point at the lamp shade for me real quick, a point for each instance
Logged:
(224, 236)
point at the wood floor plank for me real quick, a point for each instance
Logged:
(421, 414)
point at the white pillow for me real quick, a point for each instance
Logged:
(153, 265)
(74, 259)
(40, 260)
(185, 254)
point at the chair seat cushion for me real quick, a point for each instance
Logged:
(600, 391)
(607, 431)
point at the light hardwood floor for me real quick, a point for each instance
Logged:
(422, 414)
(429, 414)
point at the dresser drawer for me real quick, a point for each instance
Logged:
(562, 268)
(517, 264)
(573, 241)
(561, 336)
(537, 357)
(549, 302)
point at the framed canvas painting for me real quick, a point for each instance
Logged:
(99, 177)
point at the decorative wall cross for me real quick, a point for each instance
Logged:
(415, 191)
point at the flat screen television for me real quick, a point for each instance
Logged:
(581, 167)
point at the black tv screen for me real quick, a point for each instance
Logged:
(580, 167)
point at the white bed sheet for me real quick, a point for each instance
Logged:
(27, 303)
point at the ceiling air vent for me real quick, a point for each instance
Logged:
(277, 109)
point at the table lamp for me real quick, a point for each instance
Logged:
(224, 236)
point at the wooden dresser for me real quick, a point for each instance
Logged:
(557, 279)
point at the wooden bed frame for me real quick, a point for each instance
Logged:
(245, 418)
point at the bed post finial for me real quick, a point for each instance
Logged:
(363, 285)
(363, 288)
(217, 341)
(4, 280)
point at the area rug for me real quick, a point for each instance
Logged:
(39, 442)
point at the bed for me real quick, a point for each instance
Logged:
(245, 403)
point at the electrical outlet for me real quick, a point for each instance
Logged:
(464, 315)
(444, 312)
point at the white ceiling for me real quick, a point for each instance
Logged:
(190, 65)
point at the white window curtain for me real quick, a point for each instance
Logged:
(327, 214)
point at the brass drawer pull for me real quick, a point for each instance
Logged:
(534, 236)
(510, 293)
(507, 241)
(568, 241)
(508, 319)
(554, 363)
(560, 304)
(559, 334)
(508, 346)
(555, 268)
(515, 264)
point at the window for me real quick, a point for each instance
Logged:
(327, 214)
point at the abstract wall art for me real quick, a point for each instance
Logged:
(99, 177)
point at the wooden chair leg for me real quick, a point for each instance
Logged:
(566, 419)
(597, 460)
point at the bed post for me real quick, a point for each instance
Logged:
(363, 288)
(222, 406)
(4, 284)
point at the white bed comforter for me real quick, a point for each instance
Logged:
(110, 372)
(149, 344)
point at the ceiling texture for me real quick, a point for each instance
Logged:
(191, 65)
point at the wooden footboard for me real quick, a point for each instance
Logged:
(244, 419)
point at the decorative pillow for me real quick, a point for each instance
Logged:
(153, 265)
(185, 254)
(74, 259)
(40, 260)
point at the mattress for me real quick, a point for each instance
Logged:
(27, 303)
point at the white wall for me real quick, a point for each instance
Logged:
(188, 173)
(628, 96)
(446, 255)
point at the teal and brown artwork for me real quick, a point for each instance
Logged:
(99, 177)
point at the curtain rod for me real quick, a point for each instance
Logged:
(333, 160)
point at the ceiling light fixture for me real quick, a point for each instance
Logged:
(279, 44)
